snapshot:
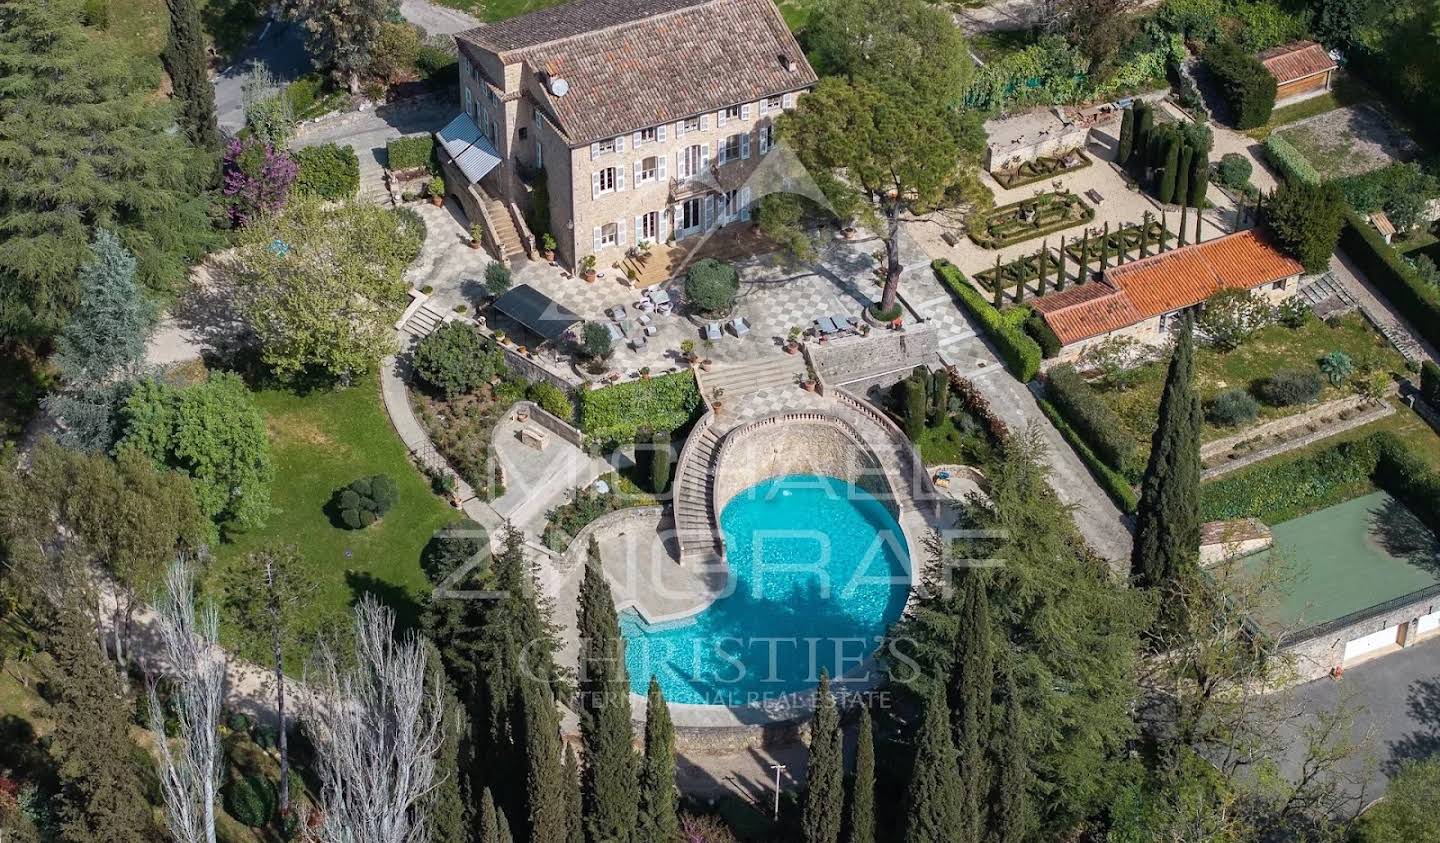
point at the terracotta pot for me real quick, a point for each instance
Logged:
(437, 201)
(590, 276)
(808, 386)
(475, 244)
(549, 254)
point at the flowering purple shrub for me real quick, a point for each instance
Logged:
(257, 179)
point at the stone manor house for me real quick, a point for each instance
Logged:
(611, 123)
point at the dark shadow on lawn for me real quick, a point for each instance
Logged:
(400, 599)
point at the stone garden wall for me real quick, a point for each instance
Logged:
(776, 447)
(880, 354)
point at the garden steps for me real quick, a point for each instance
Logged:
(507, 237)
(693, 498)
(423, 321)
(744, 379)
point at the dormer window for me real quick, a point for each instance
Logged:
(605, 146)
(732, 113)
(648, 135)
(692, 124)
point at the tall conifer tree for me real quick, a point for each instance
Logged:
(489, 831)
(610, 786)
(1127, 137)
(544, 791)
(574, 801)
(1167, 522)
(825, 793)
(659, 820)
(971, 686)
(1012, 774)
(861, 817)
(933, 799)
(184, 59)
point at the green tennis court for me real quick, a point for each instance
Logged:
(1350, 557)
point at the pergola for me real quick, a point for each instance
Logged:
(536, 313)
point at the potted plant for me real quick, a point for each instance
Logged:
(687, 350)
(547, 246)
(793, 344)
(644, 248)
(644, 373)
(806, 383)
(631, 275)
(716, 398)
(500, 337)
(475, 236)
(587, 268)
(706, 364)
(436, 190)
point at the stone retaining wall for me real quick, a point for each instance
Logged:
(1330, 408)
(551, 422)
(1317, 652)
(1355, 421)
(880, 353)
(797, 446)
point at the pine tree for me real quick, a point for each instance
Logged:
(1012, 778)
(107, 336)
(184, 59)
(933, 799)
(659, 804)
(574, 801)
(1167, 522)
(610, 776)
(1165, 192)
(489, 831)
(1127, 136)
(1182, 175)
(970, 689)
(860, 819)
(825, 792)
(101, 799)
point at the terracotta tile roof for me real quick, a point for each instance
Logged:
(1296, 60)
(632, 64)
(1164, 283)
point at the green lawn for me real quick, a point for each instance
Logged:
(1346, 91)
(1273, 348)
(320, 442)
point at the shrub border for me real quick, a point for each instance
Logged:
(1116, 486)
(1022, 354)
(1380, 263)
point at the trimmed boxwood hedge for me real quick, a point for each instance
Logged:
(1291, 163)
(410, 153)
(1115, 485)
(1386, 269)
(1021, 353)
(1039, 330)
(1276, 491)
(1402, 473)
(1247, 86)
(329, 171)
(1430, 383)
(1094, 420)
(662, 404)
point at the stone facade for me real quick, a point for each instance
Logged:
(1319, 651)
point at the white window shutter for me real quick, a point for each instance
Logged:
(788, 102)
(704, 157)
(709, 210)
(619, 179)
(636, 140)
(598, 234)
(704, 122)
(594, 150)
(680, 129)
(764, 101)
(639, 229)
(638, 177)
(764, 139)
(660, 173)
(594, 184)
(745, 145)
(660, 133)
(620, 143)
(744, 203)
(720, 118)
(620, 233)
(745, 111)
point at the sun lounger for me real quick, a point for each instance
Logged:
(739, 326)
(712, 331)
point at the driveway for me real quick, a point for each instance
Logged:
(1398, 698)
(279, 47)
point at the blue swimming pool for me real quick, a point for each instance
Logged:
(819, 570)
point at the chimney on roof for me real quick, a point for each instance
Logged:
(788, 63)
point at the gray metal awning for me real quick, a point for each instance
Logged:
(537, 312)
(470, 150)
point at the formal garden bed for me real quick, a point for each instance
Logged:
(1104, 248)
(1044, 213)
(1042, 168)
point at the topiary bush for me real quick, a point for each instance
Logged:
(366, 501)
(410, 153)
(1234, 170)
(1232, 407)
(456, 359)
(251, 800)
(711, 286)
(1289, 387)
(552, 399)
(1247, 86)
(329, 171)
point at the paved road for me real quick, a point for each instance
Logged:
(280, 47)
(436, 20)
(1400, 699)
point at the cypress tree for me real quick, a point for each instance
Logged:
(1167, 521)
(544, 791)
(1012, 777)
(942, 397)
(933, 798)
(1044, 267)
(861, 817)
(1166, 191)
(997, 282)
(504, 835)
(915, 404)
(1019, 265)
(489, 831)
(1182, 176)
(1084, 272)
(184, 59)
(1199, 180)
(1144, 122)
(1060, 273)
(1199, 218)
(100, 797)
(660, 463)
(609, 783)
(970, 689)
(825, 792)
(574, 800)
(446, 804)
(1105, 248)
(1127, 136)
(659, 820)
(1184, 210)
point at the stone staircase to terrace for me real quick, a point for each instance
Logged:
(746, 378)
(694, 495)
(423, 321)
(507, 237)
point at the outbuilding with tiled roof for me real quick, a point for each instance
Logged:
(1299, 68)
(1142, 298)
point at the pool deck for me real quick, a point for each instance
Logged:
(1347, 558)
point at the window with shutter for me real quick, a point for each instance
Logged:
(619, 232)
(599, 234)
(618, 144)
(745, 111)
(745, 145)
(619, 178)
(720, 119)
(704, 158)
(744, 203)
(680, 130)
(594, 184)
(789, 102)
(661, 160)
(594, 151)
(636, 140)
(639, 173)
(709, 210)
(660, 133)
(704, 122)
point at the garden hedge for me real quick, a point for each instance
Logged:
(1039, 330)
(1021, 353)
(1430, 383)
(1407, 476)
(410, 153)
(1115, 485)
(1291, 163)
(1094, 420)
(1417, 301)
(329, 171)
(1276, 491)
(1247, 86)
(614, 413)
